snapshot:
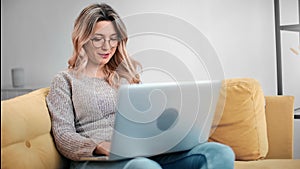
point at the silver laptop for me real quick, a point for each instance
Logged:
(159, 118)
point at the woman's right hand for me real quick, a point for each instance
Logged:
(103, 148)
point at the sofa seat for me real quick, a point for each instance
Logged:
(268, 164)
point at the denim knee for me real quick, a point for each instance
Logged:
(142, 163)
(217, 155)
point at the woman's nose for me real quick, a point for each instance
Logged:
(106, 45)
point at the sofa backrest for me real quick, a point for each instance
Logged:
(280, 126)
(26, 141)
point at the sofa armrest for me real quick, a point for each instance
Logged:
(280, 126)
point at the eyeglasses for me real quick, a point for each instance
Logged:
(99, 42)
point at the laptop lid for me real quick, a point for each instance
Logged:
(159, 118)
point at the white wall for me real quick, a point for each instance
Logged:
(36, 34)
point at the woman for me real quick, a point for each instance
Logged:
(82, 99)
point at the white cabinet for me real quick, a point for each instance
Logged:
(8, 92)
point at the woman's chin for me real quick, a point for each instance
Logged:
(103, 62)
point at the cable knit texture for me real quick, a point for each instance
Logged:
(82, 111)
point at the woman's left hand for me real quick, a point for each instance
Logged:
(103, 148)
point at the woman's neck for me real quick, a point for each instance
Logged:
(95, 71)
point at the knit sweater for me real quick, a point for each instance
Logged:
(82, 111)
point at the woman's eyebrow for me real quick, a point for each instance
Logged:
(99, 34)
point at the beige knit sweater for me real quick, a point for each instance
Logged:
(82, 112)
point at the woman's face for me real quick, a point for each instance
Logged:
(103, 44)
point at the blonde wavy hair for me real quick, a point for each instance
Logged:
(120, 65)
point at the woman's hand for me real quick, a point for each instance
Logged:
(103, 148)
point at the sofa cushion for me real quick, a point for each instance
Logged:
(26, 141)
(280, 109)
(243, 123)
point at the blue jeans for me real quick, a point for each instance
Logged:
(208, 155)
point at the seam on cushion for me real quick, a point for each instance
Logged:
(36, 135)
(243, 84)
(240, 82)
(255, 118)
(19, 142)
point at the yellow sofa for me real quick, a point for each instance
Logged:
(26, 140)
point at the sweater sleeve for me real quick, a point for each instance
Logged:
(59, 101)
